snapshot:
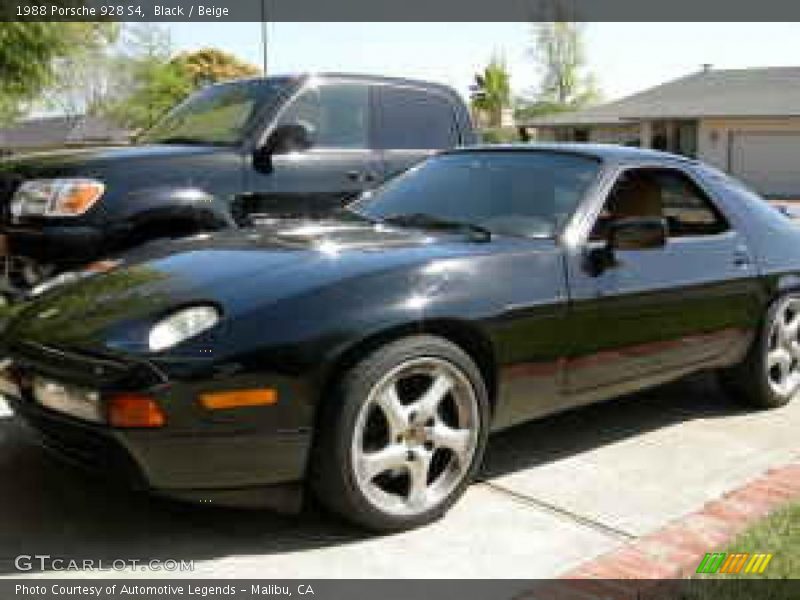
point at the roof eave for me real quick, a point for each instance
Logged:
(634, 119)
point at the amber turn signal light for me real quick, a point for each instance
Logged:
(238, 398)
(134, 410)
(76, 197)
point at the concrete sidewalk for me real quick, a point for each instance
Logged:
(553, 494)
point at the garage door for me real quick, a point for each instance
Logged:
(768, 161)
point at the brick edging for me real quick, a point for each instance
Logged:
(675, 550)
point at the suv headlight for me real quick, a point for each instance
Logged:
(56, 197)
(182, 325)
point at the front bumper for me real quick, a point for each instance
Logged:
(242, 458)
(60, 245)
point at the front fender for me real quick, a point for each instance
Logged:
(307, 334)
(145, 206)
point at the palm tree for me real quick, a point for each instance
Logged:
(491, 92)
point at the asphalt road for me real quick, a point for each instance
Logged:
(553, 494)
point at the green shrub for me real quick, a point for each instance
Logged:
(499, 135)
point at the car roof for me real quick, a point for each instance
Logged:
(361, 77)
(382, 79)
(606, 152)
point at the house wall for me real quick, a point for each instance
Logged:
(543, 134)
(614, 134)
(762, 152)
(601, 134)
(713, 135)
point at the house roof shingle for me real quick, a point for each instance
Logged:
(762, 92)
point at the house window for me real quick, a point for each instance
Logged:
(687, 139)
(580, 135)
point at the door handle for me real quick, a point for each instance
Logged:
(741, 258)
(361, 176)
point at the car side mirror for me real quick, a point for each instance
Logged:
(638, 233)
(290, 137)
(284, 139)
(634, 233)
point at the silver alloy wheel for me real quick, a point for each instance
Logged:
(415, 436)
(782, 361)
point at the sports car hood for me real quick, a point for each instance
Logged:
(235, 270)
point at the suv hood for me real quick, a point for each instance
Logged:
(95, 160)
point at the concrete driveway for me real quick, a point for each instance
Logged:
(553, 494)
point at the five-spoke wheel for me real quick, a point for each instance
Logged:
(769, 375)
(783, 350)
(415, 436)
(403, 436)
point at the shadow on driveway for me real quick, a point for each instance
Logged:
(583, 429)
(54, 509)
(49, 508)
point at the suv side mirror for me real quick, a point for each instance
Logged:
(638, 233)
(634, 233)
(290, 137)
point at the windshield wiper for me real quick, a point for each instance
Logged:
(429, 221)
(188, 141)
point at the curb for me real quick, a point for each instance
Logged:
(675, 551)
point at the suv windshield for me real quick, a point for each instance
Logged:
(217, 115)
(524, 193)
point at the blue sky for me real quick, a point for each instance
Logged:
(625, 57)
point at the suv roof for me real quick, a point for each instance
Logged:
(363, 77)
(403, 81)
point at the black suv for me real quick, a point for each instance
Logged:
(229, 155)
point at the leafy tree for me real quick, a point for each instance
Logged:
(152, 80)
(133, 82)
(211, 65)
(83, 82)
(29, 52)
(558, 50)
(147, 82)
(157, 88)
(491, 92)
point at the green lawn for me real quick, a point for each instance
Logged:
(779, 535)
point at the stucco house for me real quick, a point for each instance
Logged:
(744, 121)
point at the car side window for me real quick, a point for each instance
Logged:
(407, 118)
(660, 193)
(687, 209)
(337, 115)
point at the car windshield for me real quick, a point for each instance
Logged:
(217, 115)
(524, 193)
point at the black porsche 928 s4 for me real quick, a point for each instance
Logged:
(370, 356)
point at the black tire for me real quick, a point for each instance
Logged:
(749, 382)
(331, 474)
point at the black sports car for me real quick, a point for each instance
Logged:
(371, 355)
